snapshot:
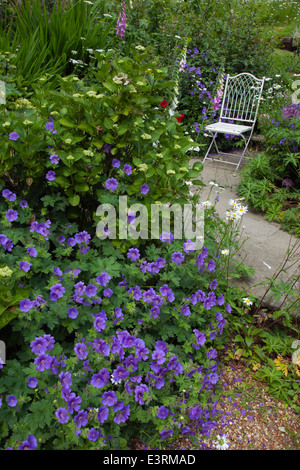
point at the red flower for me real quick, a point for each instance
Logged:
(179, 118)
(164, 104)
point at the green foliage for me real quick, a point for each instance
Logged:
(270, 181)
(54, 41)
(113, 114)
(60, 264)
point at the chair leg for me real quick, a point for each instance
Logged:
(245, 148)
(213, 141)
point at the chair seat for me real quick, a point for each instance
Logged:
(225, 128)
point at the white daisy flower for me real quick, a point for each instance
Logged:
(206, 204)
(247, 301)
(222, 443)
(242, 210)
(225, 252)
(233, 203)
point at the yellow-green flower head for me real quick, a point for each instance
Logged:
(143, 167)
(5, 272)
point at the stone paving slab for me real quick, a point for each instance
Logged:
(266, 243)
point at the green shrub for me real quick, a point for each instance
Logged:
(271, 180)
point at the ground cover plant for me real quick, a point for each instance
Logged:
(109, 338)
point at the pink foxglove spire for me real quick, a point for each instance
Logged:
(121, 23)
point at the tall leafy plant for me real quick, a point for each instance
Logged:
(55, 40)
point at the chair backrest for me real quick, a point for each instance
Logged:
(241, 98)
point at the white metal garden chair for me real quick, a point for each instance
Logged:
(240, 103)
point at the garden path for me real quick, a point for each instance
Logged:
(266, 243)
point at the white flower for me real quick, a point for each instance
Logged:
(242, 210)
(206, 204)
(247, 301)
(225, 252)
(115, 382)
(233, 203)
(222, 443)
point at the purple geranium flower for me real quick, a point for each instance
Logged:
(100, 379)
(32, 251)
(93, 434)
(56, 291)
(13, 136)
(12, 400)
(127, 169)
(79, 288)
(166, 433)
(201, 338)
(25, 305)
(43, 362)
(166, 237)
(39, 345)
(186, 311)
(118, 313)
(107, 292)
(11, 215)
(81, 418)
(211, 266)
(71, 241)
(99, 322)
(116, 163)
(213, 378)
(133, 254)
(29, 444)
(50, 175)
(9, 195)
(140, 393)
(65, 379)
(62, 415)
(109, 398)
(72, 313)
(189, 246)
(25, 266)
(73, 403)
(90, 290)
(144, 189)
(103, 414)
(32, 382)
(103, 278)
(177, 257)
(111, 184)
(162, 412)
(81, 351)
(123, 415)
(54, 159)
(49, 126)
